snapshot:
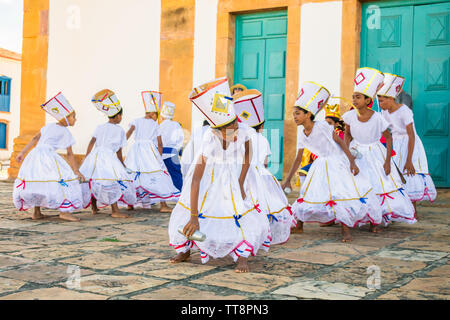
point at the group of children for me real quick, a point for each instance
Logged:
(373, 173)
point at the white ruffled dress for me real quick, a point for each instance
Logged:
(45, 179)
(330, 191)
(232, 225)
(148, 171)
(264, 185)
(419, 187)
(392, 196)
(107, 179)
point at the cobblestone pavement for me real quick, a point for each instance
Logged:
(128, 259)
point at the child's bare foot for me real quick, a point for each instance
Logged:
(68, 217)
(165, 208)
(94, 208)
(347, 237)
(116, 212)
(242, 266)
(298, 228)
(130, 208)
(374, 229)
(180, 257)
(37, 215)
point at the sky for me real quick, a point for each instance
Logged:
(11, 19)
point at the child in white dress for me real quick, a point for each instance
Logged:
(213, 199)
(192, 147)
(333, 190)
(264, 187)
(152, 181)
(45, 179)
(103, 167)
(410, 156)
(364, 128)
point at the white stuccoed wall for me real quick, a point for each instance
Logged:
(320, 46)
(204, 48)
(98, 44)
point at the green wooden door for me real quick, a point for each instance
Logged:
(413, 40)
(260, 63)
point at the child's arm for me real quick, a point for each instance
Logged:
(353, 167)
(160, 145)
(295, 165)
(266, 162)
(245, 167)
(347, 135)
(90, 146)
(193, 224)
(30, 144)
(387, 163)
(119, 155)
(73, 164)
(130, 131)
(409, 167)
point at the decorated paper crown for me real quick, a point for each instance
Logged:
(58, 107)
(238, 85)
(168, 110)
(213, 99)
(152, 101)
(333, 111)
(312, 97)
(368, 81)
(106, 101)
(392, 85)
(249, 108)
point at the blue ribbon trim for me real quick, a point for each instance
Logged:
(363, 200)
(63, 183)
(272, 216)
(236, 220)
(122, 184)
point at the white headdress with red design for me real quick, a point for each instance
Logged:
(214, 101)
(368, 81)
(248, 105)
(392, 85)
(312, 97)
(58, 107)
(107, 102)
(152, 101)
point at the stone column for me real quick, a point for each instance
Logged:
(34, 76)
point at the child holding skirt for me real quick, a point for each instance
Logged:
(152, 181)
(103, 167)
(213, 199)
(45, 179)
(363, 130)
(410, 156)
(332, 190)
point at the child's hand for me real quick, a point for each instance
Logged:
(286, 184)
(409, 168)
(354, 168)
(191, 226)
(19, 158)
(387, 167)
(81, 178)
(242, 191)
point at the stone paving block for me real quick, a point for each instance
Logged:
(426, 245)
(246, 282)
(104, 261)
(286, 268)
(7, 285)
(430, 284)
(400, 294)
(387, 265)
(181, 292)
(18, 224)
(343, 248)
(312, 289)
(97, 245)
(165, 269)
(54, 227)
(11, 246)
(442, 271)
(48, 254)
(112, 285)
(311, 256)
(53, 294)
(9, 261)
(411, 255)
(41, 273)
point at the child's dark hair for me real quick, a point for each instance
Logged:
(259, 126)
(114, 116)
(312, 117)
(205, 123)
(227, 125)
(340, 123)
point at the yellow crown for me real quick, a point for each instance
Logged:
(333, 111)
